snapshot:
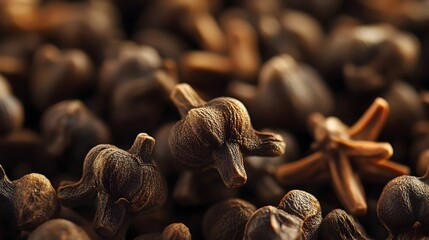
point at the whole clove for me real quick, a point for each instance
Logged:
(217, 134)
(122, 183)
(339, 225)
(59, 75)
(402, 207)
(70, 130)
(306, 207)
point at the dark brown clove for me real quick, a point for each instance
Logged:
(58, 229)
(227, 219)
(370, 57)
(59, 75)
(70, 130)
(174, 231)
(402, 207)
(30, 200)
(134, 88)
(217, 134)
(273, 223)
(339, 225)
(123, 183)
(306, 207)
(288, 91)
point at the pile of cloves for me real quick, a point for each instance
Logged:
(214, 119)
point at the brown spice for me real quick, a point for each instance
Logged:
(403, 207)
(217, 134)
(346, 153)
(227, 219)
(339, 225)
(31, 199)
(123, 183)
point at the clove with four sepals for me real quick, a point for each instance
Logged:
(122, 183)
(217, 134)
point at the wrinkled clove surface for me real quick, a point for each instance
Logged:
(28, 201)
(403, 207)
(273, 223)
(122, 183)
(339, 225)
(306, 207)
(70, 130)
(12, 111)
(217, 134)
(348, 154)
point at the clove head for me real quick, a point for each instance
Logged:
(402, 207)
(306, 207)
(123, 184)
(217, 134)
(31, 199)
(273, 223)
(339, 225)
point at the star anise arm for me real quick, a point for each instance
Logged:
(368, 150)
(301, 171)
(347, 185)
(370, 124)
(381, 171)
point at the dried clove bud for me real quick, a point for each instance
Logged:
(306, 207)
(348, 154)
(12, 111)
(217, 134)
(123, 183)
(70, 130)
(370, 57)
(273, 223)
(58, 75)
(135, 90)
(58, 229)
(402, 207)
(31, 200)
(339, 225)
(227, 219)
(280, 99)
(174, 231)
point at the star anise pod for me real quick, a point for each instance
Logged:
(348, 154)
